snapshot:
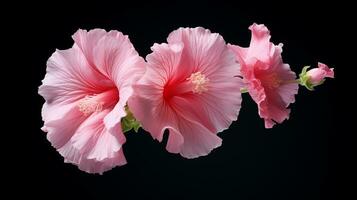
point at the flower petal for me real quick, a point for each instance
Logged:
(175, 141)
(260, 46)
(87, 40)
(188, 138)
(198, 141)
(93, 148)
(240, 52)
(69, 77)
(164, 61)
(203, 51)
(328, 72)
(215, 109)
(61, 128)
(153, 114)
(115, 57)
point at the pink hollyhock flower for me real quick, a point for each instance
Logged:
(316, 76)
(269, 81)
(188, 88)
(86, 88)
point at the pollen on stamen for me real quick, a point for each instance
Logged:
(199, 82)
(89, 105)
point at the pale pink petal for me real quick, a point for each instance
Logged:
(153, 114)
(198, 141)
(69, 77)
(240, 52)
(57, 111)
(260, 45)
(287, 93)
(203, 51)
(60, 130)
(93, 148)
(210, 109)
(273, 110)
(115, 57)
(164, 62)
(112, 54)
(175, 141)
(289, 86)
(87, 40)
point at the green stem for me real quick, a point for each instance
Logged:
(293, 81)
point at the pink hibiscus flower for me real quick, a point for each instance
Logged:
(269, 81)
(188, 88)
(86, 89)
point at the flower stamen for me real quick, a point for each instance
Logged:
(89, 105)
(199, 82)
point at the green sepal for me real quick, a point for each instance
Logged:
(304, 79)
(129, 122)
(243, 90)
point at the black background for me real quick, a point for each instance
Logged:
(299, 159)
